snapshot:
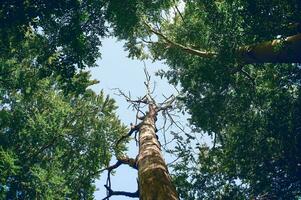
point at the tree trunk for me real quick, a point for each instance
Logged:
(286, 50)
(154, 180)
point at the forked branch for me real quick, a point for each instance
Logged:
(122, 160)
(120, 193)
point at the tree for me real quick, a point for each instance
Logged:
(277, 41)
(69, 32)
(52, 144)
(154, 181)
(237, 91)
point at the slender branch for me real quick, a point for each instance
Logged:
(167, 103)
(147, 84)
(203, 54)
(178, 11)
(128, 97)
(248, 76)
(172, 162)
(123, 160)
(214, 141)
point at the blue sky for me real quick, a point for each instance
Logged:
(115, 70)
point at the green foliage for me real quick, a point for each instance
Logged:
(252, 110)
(55, 133)
(53, 144)
(53, 129)
(70, 32)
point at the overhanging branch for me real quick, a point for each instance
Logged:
(282, 50)
(203, 54)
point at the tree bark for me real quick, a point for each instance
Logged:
(154, 179)
(285, 50)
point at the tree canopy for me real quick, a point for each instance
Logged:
(220, 53)
(235, 61)
(56, 134)
(52, 143)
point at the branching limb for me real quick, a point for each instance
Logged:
(149, 97)
(120, 193)
(129, 99)
(167, 104)
(246, 74)
(122, 160)
(203, 54)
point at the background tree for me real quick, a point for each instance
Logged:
(55, 132)
(53, 143)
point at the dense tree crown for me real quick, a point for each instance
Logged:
(235, 61)
(55, 133)
(52, 143)
(237, 64)
(250, 107)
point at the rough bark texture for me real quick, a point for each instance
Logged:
(154, 180)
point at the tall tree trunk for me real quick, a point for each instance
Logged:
(154, 179)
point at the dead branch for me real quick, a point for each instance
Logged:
(149, 97)
(134, 128)
(122, 160)
(167, 104)
(248, 76)
(120, 193)
(128, 98)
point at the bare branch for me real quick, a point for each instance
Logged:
(134, 128)
(120, 193)
(122, 160)
(176, 123)
(172, 162)
(147, 84)
(167, 104)
(246, 74)
(129, 99)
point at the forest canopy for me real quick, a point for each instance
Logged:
(237, 64)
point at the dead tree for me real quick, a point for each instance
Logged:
(154, 181)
